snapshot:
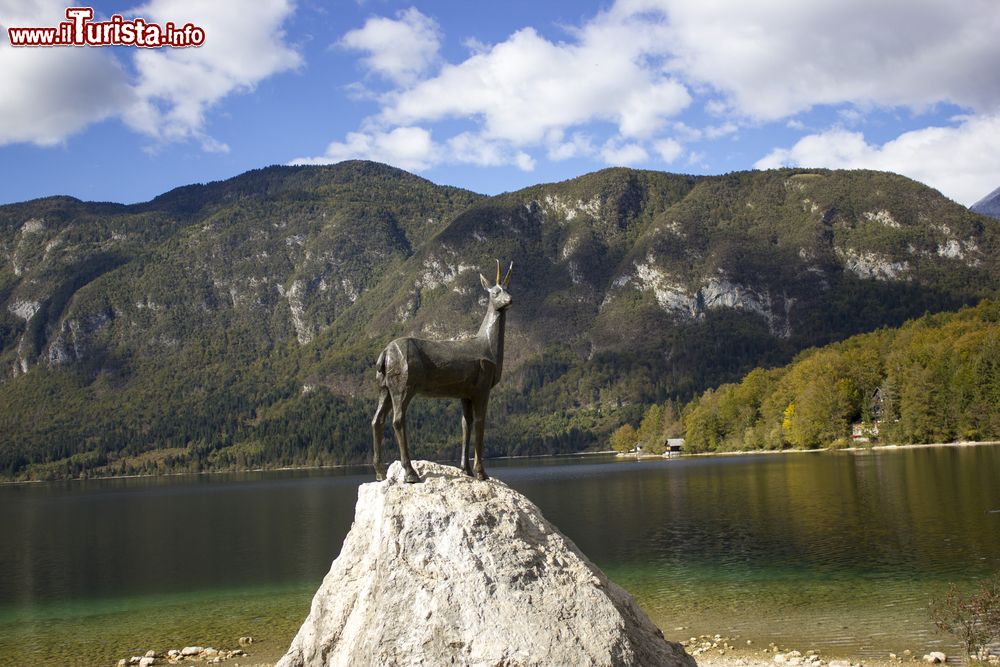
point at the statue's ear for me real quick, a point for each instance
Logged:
(486, 283)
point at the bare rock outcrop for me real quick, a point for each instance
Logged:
(989, 205)
(457, 571)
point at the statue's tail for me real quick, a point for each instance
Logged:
(380, 369)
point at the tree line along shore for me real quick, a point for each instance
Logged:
(935, 379)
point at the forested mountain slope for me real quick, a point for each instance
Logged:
(236, 323)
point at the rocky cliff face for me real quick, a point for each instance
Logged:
(989, 205)
(455, 571)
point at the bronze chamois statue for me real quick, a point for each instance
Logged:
(467, 369)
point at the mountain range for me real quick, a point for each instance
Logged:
(989, 205)
(235, 324)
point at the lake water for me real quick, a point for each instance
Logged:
(839, 552)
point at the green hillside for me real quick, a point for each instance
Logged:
(235, 324)
(935, 379)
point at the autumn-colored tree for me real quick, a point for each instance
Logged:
(650, 434)
(624, 439)
(702, 427)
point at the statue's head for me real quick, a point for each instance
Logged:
(499, 297)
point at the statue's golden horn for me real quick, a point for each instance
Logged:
(506, 280)
(498, 272)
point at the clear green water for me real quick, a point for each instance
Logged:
(834, 551)
(99, 632)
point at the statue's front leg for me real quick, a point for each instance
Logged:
(480, 421)
(463, 461)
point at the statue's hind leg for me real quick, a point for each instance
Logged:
(378, 432)
(479, 420)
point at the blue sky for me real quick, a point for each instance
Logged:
(496, 96)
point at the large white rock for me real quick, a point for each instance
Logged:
(457, 571)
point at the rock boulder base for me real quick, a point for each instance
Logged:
(464, 572)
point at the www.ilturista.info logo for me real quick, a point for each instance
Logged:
(82, 30)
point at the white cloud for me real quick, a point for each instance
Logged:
(963, 162)
(524, 161)
(52, 93)
(529, 91)
(644, 112)
(697, 159)
(579, 145)
(527, 86)
(772, 58)
(718, 107)
(413, 148)
(722, 130)
(623, 155)
(405, 147)
(628, 72)
(833, 147)
(244, 44)
(668, 149)
(474, 149)
(686, 132)
(400, 49)
(850, 116)
(471, 148)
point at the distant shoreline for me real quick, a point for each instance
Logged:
(334, 466)
(790, 450)
(958, 443)
(637, 457)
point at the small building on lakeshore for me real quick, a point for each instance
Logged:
(864, 432)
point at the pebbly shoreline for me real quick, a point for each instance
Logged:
(707, 650)
(197, 655)
(720, 651)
